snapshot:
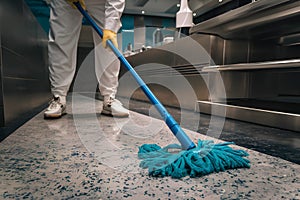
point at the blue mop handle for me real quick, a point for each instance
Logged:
(184, 140)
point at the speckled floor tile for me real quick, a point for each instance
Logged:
(85, 155)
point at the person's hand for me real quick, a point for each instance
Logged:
(109, 35)
(82, 3)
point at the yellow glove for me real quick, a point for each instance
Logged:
(109, 35)
(82, 3)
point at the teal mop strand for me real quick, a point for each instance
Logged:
(204, 159)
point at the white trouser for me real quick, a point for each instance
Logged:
(65, 26)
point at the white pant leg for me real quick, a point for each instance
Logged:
(65, 25)
(107, 65)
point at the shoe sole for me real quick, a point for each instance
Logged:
(108, 113)
(54, 116)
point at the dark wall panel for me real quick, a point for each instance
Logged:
(24, 65)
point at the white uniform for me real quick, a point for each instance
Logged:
(65, 25)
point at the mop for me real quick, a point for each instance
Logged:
(188, 159)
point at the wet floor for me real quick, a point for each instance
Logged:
(85, 155)
(272, 141)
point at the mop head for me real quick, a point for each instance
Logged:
(206, 158)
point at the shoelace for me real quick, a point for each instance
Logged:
(54, 103)
(111, 100)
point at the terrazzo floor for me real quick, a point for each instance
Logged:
(85, 155)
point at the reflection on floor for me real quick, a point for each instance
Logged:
(272, 141)
(85, 155)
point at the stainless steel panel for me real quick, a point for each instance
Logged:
(250, 21)
(18, 31)
(236, 84)
(236, 51)
(152, 56)
(263, 80)
(264, 85)
(213, 45)
(263, 51)
(168, 71)
(24, 65)
(17, 65)
(289, 52)
(171, 91)
(196, 50)
(1, 74)
(289, 82)
(239, 51)
(176, 67)
(166, 83)
(276, 84)
(283, 64)
(289, 40)
(2, 120)
(238, 70)
(203, 6)
(199, 85)
(165, 67)
(257, 32)
(265, 117)
(217, 50)
(203, 39)
(1, 81)
(22, 96)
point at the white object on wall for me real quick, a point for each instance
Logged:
(184, 17)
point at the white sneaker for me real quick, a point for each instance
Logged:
(114, 107)
(55, 109)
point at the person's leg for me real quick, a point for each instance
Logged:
(107, 65)
(65, 25)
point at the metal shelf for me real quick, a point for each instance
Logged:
(295, 63)
(260, 19)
